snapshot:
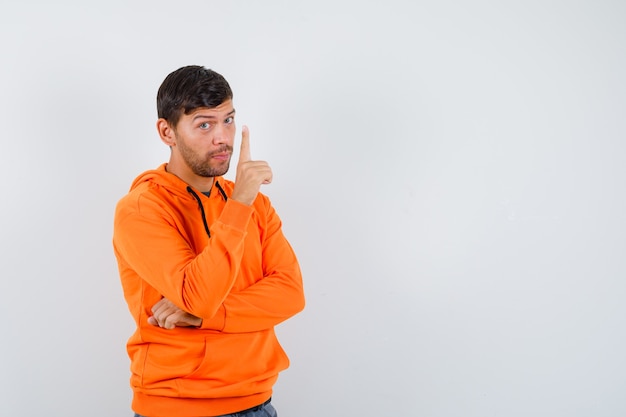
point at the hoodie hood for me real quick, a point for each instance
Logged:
(163, 179)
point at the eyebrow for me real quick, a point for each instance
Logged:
(203, 116)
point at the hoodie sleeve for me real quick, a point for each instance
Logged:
(277, 296)
(148, 244)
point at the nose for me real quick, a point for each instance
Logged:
(219, 134)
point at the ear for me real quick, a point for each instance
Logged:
(166, 132)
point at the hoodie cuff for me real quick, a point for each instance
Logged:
(217, 322)
(236, 215)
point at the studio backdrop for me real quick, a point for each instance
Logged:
(450, 174)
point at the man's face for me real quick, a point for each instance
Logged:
(204, 139)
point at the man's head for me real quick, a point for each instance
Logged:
(189, 88)
(197, 122)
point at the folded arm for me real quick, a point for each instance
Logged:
(272, 299)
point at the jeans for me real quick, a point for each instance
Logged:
(266, 411)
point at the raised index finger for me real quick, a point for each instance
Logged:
(244, 153)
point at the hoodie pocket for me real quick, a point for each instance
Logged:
(163, 363)
(234, 365)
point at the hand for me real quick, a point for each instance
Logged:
(167, 315)
(250, 174)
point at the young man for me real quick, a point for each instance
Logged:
(206, 270)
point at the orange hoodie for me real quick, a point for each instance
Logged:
(217, 259)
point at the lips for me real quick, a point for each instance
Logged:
(222, 153)
(222, 156)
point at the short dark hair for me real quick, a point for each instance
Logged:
(189, 88)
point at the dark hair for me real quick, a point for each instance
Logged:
(189, 88)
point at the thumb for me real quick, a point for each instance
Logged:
(244, 153)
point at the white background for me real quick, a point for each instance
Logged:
(450, 173)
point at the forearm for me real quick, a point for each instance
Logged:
(261, 306)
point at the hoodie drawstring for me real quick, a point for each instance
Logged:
(221, 190)
(197, 197)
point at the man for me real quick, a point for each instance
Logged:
(206, 270)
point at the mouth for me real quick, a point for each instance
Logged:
(221, 156)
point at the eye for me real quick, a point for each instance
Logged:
(204, 125)
(229, 120)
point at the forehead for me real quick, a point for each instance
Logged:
(223, 110)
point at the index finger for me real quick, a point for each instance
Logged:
(244, 153)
